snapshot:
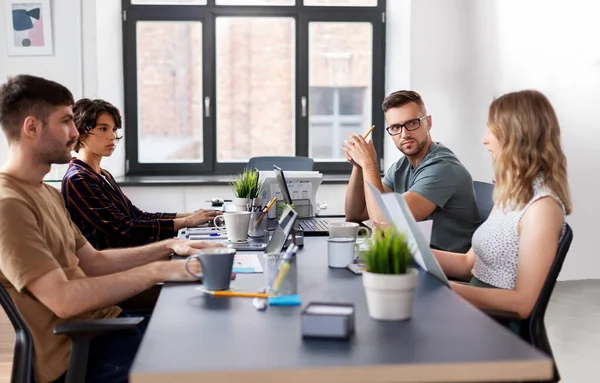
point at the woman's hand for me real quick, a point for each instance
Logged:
(200, 217)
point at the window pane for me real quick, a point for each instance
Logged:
(321, 133)
(321, 101)
(345, 3)
(351, 101)
(194, 2)
(255, 87)
(340, 60)
(255, 2)
(169, 79)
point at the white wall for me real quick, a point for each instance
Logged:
(561, 58)
(446, 71)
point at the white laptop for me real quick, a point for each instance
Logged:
(396, 212)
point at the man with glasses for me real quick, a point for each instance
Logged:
(432, 180)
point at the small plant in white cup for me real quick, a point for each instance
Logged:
(389, 281)
(246, 188)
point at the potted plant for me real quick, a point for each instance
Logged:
(280, 208)
(247, 188)
(388, 280)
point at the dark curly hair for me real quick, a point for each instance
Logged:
(86, 113)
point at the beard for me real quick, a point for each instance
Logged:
(54, 151)
(417, 146)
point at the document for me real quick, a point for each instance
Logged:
(247, 263)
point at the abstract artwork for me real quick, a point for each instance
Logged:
(28, 27)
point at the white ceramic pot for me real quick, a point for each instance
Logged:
(390, 296)
(241, 204)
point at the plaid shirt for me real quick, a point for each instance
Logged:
(105, 216)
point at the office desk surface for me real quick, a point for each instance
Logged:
(194, 338)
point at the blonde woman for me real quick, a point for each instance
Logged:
(512, 251)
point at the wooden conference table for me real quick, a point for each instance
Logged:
(195, 338)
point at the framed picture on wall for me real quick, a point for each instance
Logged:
(28, 27)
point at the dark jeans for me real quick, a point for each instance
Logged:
(111, 355)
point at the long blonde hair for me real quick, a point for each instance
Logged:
(527, 129)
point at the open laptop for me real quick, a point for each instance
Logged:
(283, 229)
(311, 226)
(396, 212)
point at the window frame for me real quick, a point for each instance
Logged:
(207, 14)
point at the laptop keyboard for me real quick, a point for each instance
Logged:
(313, 225)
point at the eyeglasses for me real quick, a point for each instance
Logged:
(409, 125)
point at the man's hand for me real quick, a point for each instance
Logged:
(200, 217)
(174, 271)
(189, 247)
(378, 226)
(360, 152)
(349, 159)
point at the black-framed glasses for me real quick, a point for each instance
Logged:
(409, 125)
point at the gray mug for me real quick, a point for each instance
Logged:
(216, 264)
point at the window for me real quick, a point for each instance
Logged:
(211, 83)
(336, 113)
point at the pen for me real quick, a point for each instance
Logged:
(369, 132)
(262, 215)
(237, 294)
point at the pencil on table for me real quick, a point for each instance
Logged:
(369, 132)
(237, 294)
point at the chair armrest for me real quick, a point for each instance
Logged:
(505, 315)
(81, 334)
(96, 326)
(503, 318)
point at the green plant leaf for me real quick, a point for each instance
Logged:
(247, 185)
(389, 253)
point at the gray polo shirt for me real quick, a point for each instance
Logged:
(443, 180)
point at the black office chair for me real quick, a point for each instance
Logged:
(81, 333)
(485, 202)
(285, 163)
(533, 329)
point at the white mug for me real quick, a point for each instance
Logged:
(235, 223)
(340, 251)
(348, 229)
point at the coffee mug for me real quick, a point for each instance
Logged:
(216, 267)
(340, 251)
(348, 229)
(235, 223)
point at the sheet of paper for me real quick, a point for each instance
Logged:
(247, 263)
(425, 227)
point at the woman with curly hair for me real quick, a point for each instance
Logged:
(97, 205)
(513, 250)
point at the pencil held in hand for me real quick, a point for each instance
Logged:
(369, 132)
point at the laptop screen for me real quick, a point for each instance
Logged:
(285, 192)
(282, 231)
